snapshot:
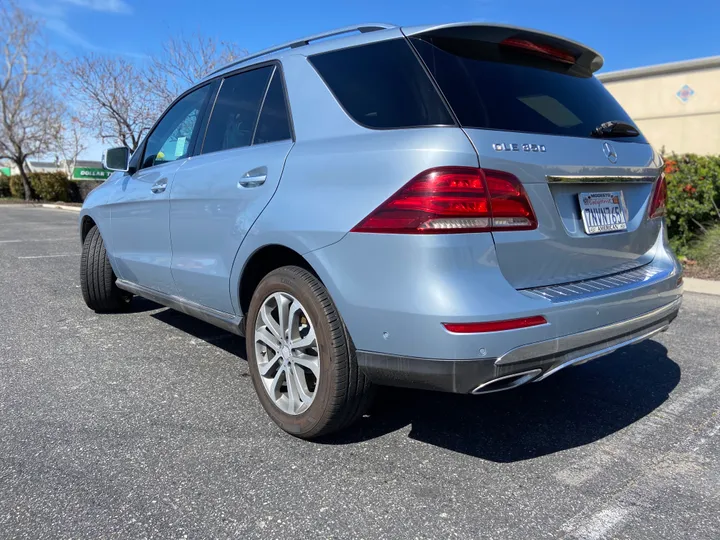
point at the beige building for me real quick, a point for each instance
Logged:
(677, 106)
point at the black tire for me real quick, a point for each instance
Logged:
(343, 392)
(97, 279)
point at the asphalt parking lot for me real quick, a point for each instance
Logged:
(145, 425)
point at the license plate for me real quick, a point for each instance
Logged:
(603, 212)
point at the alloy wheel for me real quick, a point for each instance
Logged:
(287, 353)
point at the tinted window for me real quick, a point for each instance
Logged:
(172, 137)
(382, 85)
(236, 110)
(494, 87)
(274, 123)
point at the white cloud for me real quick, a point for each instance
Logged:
(108, 6)
(56, 18)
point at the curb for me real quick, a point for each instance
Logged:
(62, 207)
(704, 286)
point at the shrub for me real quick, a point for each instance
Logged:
(16, 187)
(4, 186)
(51, 186)
(80, 189)
(693, 197)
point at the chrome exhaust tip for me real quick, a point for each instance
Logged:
(507, 382)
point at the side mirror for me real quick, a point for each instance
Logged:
(117, 159)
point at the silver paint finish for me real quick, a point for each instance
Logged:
(211, 211)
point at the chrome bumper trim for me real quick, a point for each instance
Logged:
(590, 344)
(626, 279)
(602, 352)
(515, 380)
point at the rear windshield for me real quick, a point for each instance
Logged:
(494, 87)
(382, 85)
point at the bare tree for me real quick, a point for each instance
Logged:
(113, 95)
(121, 100)
(72, 142)
(31, 115)
(183, 61)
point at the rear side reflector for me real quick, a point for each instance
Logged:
(494, 326)
(659, 198)
(453, 200)
(539, 49)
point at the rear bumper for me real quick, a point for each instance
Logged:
(526, 363)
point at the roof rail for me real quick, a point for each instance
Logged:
(362, 28)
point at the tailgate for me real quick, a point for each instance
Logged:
(530, 104)
(559, 250)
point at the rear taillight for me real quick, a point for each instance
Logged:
(659, 198)
(540, 49)
(454, 200)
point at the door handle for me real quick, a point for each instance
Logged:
(159, 186)
(254, 178)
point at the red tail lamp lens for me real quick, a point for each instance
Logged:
(659, 198)
(540, 49)
(453, 200)
(494, 326)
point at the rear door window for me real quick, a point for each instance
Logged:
(494, 87)
(235, 114)
(274, 122)
(382, 85)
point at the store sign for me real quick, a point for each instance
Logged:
(90, 173)
(5, 171)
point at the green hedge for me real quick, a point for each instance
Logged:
(16, 187)
(4, 186)
(44, 186)
(51, 186)
(693, 204)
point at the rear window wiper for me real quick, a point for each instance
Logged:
(615, 128)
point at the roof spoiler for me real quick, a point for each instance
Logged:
(498, 33)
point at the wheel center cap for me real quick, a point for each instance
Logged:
(285, 352)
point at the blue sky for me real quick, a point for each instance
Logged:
(629, 33)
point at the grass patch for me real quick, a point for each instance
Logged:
(703, 260)
(14, 200)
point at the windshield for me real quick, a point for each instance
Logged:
(491, 86)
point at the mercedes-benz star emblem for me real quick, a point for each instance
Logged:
(610, 152)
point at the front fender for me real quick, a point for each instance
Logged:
(96, 207)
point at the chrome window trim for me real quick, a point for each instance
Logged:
(600, 179)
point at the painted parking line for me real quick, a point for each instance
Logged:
(20, 241)
(49, 256)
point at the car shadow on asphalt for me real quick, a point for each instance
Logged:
(201, 330)
(141, 305)
(574, 407)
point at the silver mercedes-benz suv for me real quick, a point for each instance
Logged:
(460, 207)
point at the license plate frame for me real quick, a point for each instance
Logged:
(603, 212)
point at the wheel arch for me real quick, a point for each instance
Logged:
(86, 223)
(260, 263)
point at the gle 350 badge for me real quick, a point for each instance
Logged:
(515, 147)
